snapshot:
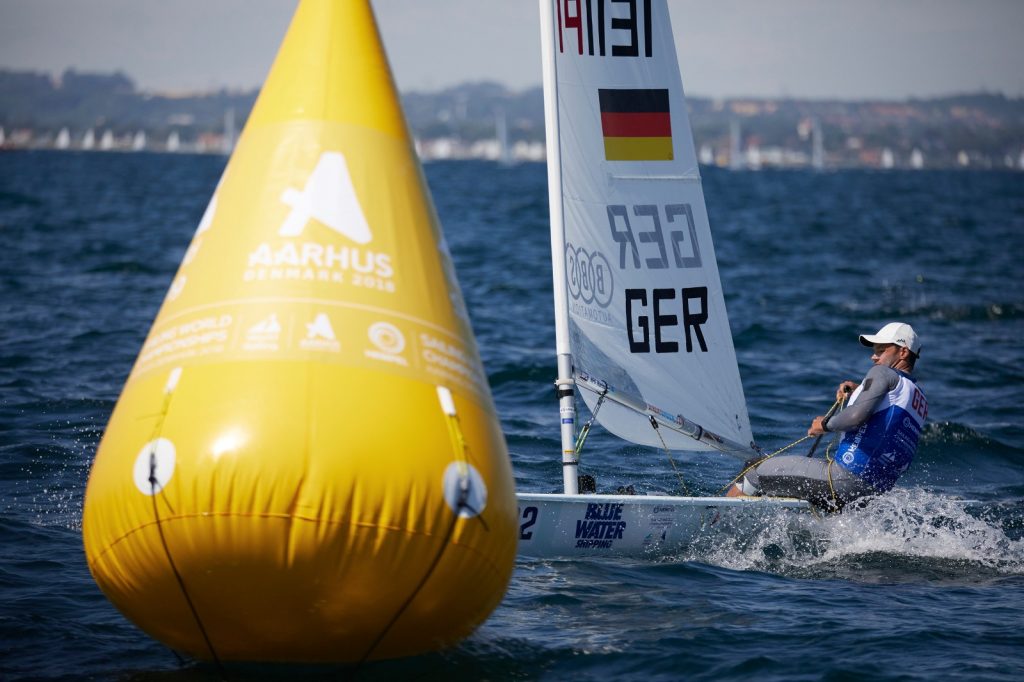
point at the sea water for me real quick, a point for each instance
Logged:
(924, 583)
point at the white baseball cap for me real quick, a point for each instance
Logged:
(900, 333)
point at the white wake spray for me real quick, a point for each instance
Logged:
(921, 533)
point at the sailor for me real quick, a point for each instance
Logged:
(880, 429)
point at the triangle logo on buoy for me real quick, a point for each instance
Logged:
(329, 198)
(320, 336)
(320, 328)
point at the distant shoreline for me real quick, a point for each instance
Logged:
(107, 112)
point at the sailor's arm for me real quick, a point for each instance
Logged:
(879, 381)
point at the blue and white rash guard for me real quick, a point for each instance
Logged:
(881, 427)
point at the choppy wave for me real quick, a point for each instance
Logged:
(949, 442)
(125, 267)
(907, 535)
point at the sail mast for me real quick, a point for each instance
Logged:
(566, 399)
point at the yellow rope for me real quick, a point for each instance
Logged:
(832, 488)
(830, 457)
(757, 462)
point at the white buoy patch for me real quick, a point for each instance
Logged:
(161, 453)
(177, 286)
(463, 482)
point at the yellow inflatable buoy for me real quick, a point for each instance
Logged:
(305, 462)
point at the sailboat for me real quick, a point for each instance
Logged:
(63, 139)
(642, 334)
(501, 130)
(817, 145)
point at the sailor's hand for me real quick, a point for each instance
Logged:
(816, 427)
(845, 389)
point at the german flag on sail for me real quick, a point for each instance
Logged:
(636, 125)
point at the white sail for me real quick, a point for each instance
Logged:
(817, 145)
(644, 313)
(501, 132)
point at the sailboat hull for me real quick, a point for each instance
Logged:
(558, 525)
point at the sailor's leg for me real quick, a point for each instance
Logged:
(847, 486)
(815, 480)
(747, 483)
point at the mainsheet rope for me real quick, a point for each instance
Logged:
(829, 456)
(668, 453)
(585, 431)
(838, 404)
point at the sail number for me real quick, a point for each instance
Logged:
(529, 517)
(641, 325)
(646, 228)
(625, 21)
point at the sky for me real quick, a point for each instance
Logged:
(847, 49)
